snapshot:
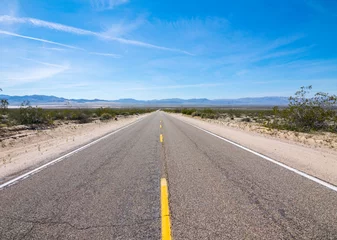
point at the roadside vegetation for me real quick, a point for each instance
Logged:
(35, 117)
(305, 113)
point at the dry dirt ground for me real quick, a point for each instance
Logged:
(22, 148)
(315, 154)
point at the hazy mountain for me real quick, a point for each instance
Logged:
(52, 100)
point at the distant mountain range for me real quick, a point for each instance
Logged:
(42, 100)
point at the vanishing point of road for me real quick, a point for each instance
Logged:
(161, 178)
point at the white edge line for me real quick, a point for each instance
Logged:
(312, 178)
(36, 170)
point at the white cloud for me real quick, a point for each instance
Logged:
(34, 74)
(123, 27)
(106, 54)
(78, 31)
(106, 4)
(38, 39)
(54, 49)
(56, 43)
(31, 73)
(10, 7)
(43, 63)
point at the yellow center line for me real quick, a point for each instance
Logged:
(161, 138)
(161, 126)
(165, 212)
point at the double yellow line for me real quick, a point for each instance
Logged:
(164, 202)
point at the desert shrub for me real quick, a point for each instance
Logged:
(3, 105)
(212, 116)
(307, 113)
(83, 118)
(196, 114)
(34, 115)
(209, 115)
(246, 119)
(58, 115)
(4, 119)
(208, 111)
(28, 115)
(105, 116)
(188, 111)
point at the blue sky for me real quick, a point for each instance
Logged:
(142, 49)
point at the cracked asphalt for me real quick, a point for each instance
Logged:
(216, 191)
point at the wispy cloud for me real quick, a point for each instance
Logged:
(43, 63)
(55, 49)
(39, 39)
(320, 8)
(278, 54)
(106, 54)
(14, 75)
(56, 43)
(106, 4)
(78, 31)
(283, 41)
(123, 27)
(30, 74)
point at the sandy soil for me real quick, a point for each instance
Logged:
(322, 140)
(315, 154)
(22, 148)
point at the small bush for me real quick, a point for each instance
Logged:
(188, 111)
(83, 118)
(105, 116)
(246, 119)
(196, 114)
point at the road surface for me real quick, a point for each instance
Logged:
(111, 190)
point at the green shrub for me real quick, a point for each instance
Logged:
(196, 114)
(188, 111)
(307, 113)
(105, 116)
(32, 115)
(246, 119)
(83, 118)
(3, 105)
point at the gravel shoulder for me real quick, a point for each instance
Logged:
(26, 148)
(307, 156)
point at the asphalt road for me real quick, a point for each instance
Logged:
(111, 190)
